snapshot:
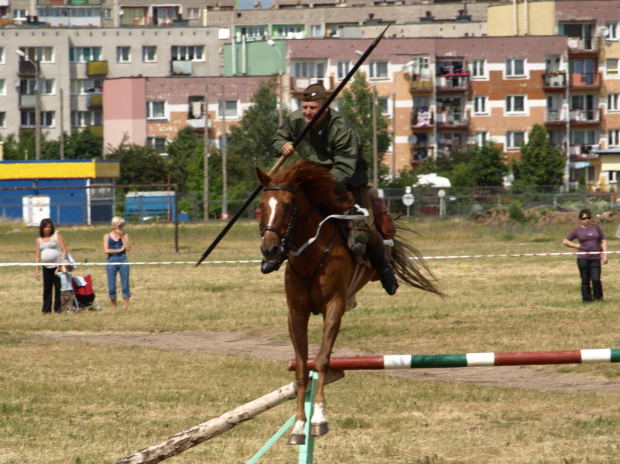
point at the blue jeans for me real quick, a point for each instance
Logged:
(590, 270)
(123, 270)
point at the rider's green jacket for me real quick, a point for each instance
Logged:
(337, 145)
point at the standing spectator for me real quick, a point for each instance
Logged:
(591, 239)
(116, 245)
(66, 288)
(50, 250)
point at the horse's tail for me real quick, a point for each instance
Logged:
(409, 265)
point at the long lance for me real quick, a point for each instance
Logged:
(299, 138)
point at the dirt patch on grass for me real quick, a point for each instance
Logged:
(226, 343)
(539, 216)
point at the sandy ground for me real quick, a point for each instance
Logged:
(536, 378)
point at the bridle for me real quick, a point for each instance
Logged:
(285, 238)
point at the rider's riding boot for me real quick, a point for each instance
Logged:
(358, 237)
(376, 255)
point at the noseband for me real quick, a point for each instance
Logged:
(285, 238)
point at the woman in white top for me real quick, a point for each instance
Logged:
(50, 251)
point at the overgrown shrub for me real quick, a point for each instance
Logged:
(515, 211)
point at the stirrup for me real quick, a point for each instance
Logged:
(388, 279)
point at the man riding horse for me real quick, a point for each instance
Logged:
(333, 141)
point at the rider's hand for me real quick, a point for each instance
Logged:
(287, 149)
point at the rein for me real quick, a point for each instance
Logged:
(285, 239)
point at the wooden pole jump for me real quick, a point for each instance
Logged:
(182, 441)
(469, 360)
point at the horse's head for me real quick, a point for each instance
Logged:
(278, 206)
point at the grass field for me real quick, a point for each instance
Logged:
(90, 403)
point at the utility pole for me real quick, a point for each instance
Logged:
(205, 187)
(62, 127)
(375, 156)
(224, 179)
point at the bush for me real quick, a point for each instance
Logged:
(515, 211)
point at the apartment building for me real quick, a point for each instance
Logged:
(152, 110)
(71, 65)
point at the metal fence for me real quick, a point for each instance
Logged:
(455, 202)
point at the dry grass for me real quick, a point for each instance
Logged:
(86, 403)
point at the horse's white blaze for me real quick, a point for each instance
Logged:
(273, 204)
(299, 428)
(318, 417)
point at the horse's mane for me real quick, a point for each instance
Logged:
(318, 184)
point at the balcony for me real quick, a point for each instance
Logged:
(97, 130)
(578, 152)
(555, 117)
(583, 44)
(554, 80)
(589, 80)
(27, 101)
(97, 68)
(299, 84)
(452, 120)
(94, 100)
(453, 82)
(421, 86)
(421, 120)
(582, 118)
(181, 67)
(419, 154)
(26, 69)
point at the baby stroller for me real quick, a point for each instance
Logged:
(84, 293)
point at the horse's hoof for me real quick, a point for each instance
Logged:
(316, 430)
(296, 439)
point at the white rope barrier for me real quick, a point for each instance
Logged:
(257, 261)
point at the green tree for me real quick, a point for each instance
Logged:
(182, 151)
(356, 104)
(140, 165)
(250, 141)
(540, 164)
(83, 144)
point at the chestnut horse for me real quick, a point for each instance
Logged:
(321, 275)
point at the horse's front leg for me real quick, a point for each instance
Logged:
(331, 326)
(298, 330)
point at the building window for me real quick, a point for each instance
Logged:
(2, 55)
(480, 138)
(309, 69)
(107, 13)
(28, 119)
(2, 87)
(250, 33)
(514, 139)
(29, 86)
(156, 110)
(2, 119)
(232, 109)
(383, 105)
(478, 68)
(187, 53)
(289, 31)
(611, 65)
(84, 86)
(378, 69)
(613, 102)
(515, 104)
(19, 14)
(158, 143)
(612, 32)
(343, 69)
(84, 54)
(515, 67)
(613, 137)
(149, 54)
(420, 66)
(86, 118)
(316, 31)
(193, 13)
(480, 105)
(39, 54)
(123, 54)
(582, 137)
